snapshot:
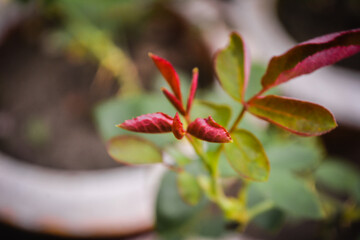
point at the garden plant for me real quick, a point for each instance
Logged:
(216, 135)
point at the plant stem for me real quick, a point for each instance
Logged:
(257, 95)
(199, 152)
(238, 119)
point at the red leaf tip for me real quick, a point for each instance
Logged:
(207, 129)
(177, 127)
(169, 73)
(193, 87)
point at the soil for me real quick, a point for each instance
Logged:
(306, 19)
(45, 108)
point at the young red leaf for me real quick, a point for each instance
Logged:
(174, 101)
(149, 123)
(169, 73)
(308, 56)
(207, 129)
(232, 65)
(299, 117)
(177, 127)
(193, 88)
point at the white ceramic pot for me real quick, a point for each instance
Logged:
(119, 201)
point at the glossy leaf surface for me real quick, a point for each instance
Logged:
(207, 129)
(193, 87)
(169, 73)
(232, 67)
(292, 194)
(299, 117)
(133, 150)
(149, 123)
(311, 55)
(188, 188)
(220, 113)
(174, 101)
(247, 156)
(177, 127)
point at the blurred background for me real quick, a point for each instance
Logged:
(71, 69)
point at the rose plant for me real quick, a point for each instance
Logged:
(242, 148)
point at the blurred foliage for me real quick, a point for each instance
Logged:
(338, 176)
(99, 29)
(175, 220)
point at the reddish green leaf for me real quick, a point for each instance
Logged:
(299, 117)
(311, 55)
(169, 73)
(133, 150)
(207, 129)
(149, 123)
(247, 156)
(232, 67)
(177, 127)
(189, 189)
(193, 88)
(174, 101)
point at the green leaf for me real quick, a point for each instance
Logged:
(176, 220)
(291, 194)
(247, 156)
(299, 117)
(188, 188)
(203, 109)
(294, 154)
(339, 176)
(226, 170)
(232, 67)
(133, 150)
